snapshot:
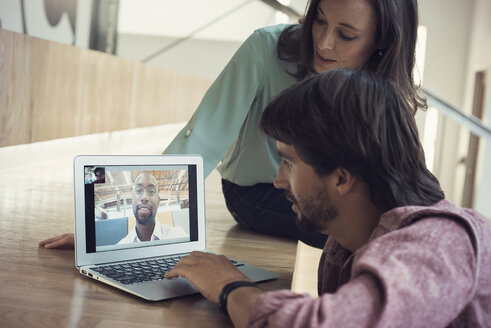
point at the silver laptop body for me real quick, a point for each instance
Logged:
(105, 220)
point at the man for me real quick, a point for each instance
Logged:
(100, 175)
(145, 205)
(398, 254)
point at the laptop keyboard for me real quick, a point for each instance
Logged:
(141, 271)
(144, 270)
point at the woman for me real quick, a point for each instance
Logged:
(375, 35)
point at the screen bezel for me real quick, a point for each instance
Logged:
(82, 257)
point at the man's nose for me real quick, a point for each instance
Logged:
(280, 182)
(144, 196)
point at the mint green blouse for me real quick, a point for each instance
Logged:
(225, 126)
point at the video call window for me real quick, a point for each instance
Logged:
(125, 202)
(95, 175)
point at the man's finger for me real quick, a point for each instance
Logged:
(174, 273)
(171, 274)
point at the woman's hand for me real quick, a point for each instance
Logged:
(62, 241)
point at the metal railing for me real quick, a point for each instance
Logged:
(474, 124)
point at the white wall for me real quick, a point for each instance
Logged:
(448, 24)
(479, 60)
(458, 46)
(146, 26)
(197, 57)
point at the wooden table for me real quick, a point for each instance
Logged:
(42, 288)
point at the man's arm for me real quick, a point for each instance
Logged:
(421, 276)
(241, 303)
(410, 276)
(209, 273)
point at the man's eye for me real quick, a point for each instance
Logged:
(151, 191)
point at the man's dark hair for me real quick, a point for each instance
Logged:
(397, 28)
(352, 119)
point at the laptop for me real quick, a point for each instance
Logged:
(117, 197)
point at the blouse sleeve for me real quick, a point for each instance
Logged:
(218, 119)
(411, 277)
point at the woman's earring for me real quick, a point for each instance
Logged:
(380, 53)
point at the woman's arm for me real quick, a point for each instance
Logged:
(65, 240)
(218, 119)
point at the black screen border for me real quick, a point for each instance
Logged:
(90, 234)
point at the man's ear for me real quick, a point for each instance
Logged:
(345, 181)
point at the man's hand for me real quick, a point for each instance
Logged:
(63, 241)
(209, 273)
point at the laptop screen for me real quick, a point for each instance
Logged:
(130, 206)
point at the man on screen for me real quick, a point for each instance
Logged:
(100, 175)
(145, 206)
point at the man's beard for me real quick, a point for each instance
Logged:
(143, 219)
(304, 224)
(314, 215)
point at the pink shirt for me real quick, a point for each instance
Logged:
(422, 267)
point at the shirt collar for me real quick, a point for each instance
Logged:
(157, 231)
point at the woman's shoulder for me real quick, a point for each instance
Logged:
(273, 32)
(274, 29)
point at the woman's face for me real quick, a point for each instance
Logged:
(343, 34)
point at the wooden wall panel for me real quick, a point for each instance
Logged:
(53, 77)
(15, 118)
(177, 92)
(49, 90)
(108, 80)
